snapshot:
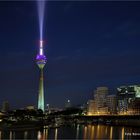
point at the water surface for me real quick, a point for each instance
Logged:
(75, 132)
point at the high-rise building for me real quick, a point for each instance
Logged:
(98, 105)
(100, 96)
(126, 96)
(112, 104)
(92, 107)
(41, 61)
(5, 106)
(134, 107)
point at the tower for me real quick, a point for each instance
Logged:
(41, 61)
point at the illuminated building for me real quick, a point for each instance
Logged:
(134, 107)
(103, 110)
(111, 101)
(100, 96)
(30, 107)
(41, 61)
(100, 100)
(92, 108)
(126, 96)
(98, 105)
(68, 104)
(5, 106)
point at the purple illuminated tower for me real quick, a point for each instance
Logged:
(41, 61)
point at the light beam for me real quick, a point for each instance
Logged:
(41, 11)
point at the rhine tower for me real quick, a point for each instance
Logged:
(41, 61)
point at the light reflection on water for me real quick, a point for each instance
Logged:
(25, 135)
(92, 132)
(56, 134)
(10, 135)
(123, 133)
(111, 133)
(75, 132)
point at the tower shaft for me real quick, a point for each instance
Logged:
(41, 91)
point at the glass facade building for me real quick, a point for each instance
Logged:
(126, 96)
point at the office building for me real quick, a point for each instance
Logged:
(100, 96)
(98, 105)
(126, 97)
(91, 108)
(111, 101)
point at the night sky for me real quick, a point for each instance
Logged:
(88, 44)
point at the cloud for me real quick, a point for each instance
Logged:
(59, 58)
(87, 69)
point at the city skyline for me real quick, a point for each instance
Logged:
(89, 44)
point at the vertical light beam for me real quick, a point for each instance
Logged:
(41, 10)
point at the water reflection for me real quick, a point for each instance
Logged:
(42, 135)
(0, 135)
(10, 135)
(85, 133)
(92, 132)
(13, 135)
(106, 132)
(39, 135)
(56, 134)
(25, 134)
(98, 131)
(46, 133)
(75, 132)
(122, 134)
(89, 132)
(111, 133)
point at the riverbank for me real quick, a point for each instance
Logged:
(109, 120)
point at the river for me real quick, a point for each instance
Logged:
(75, 132)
